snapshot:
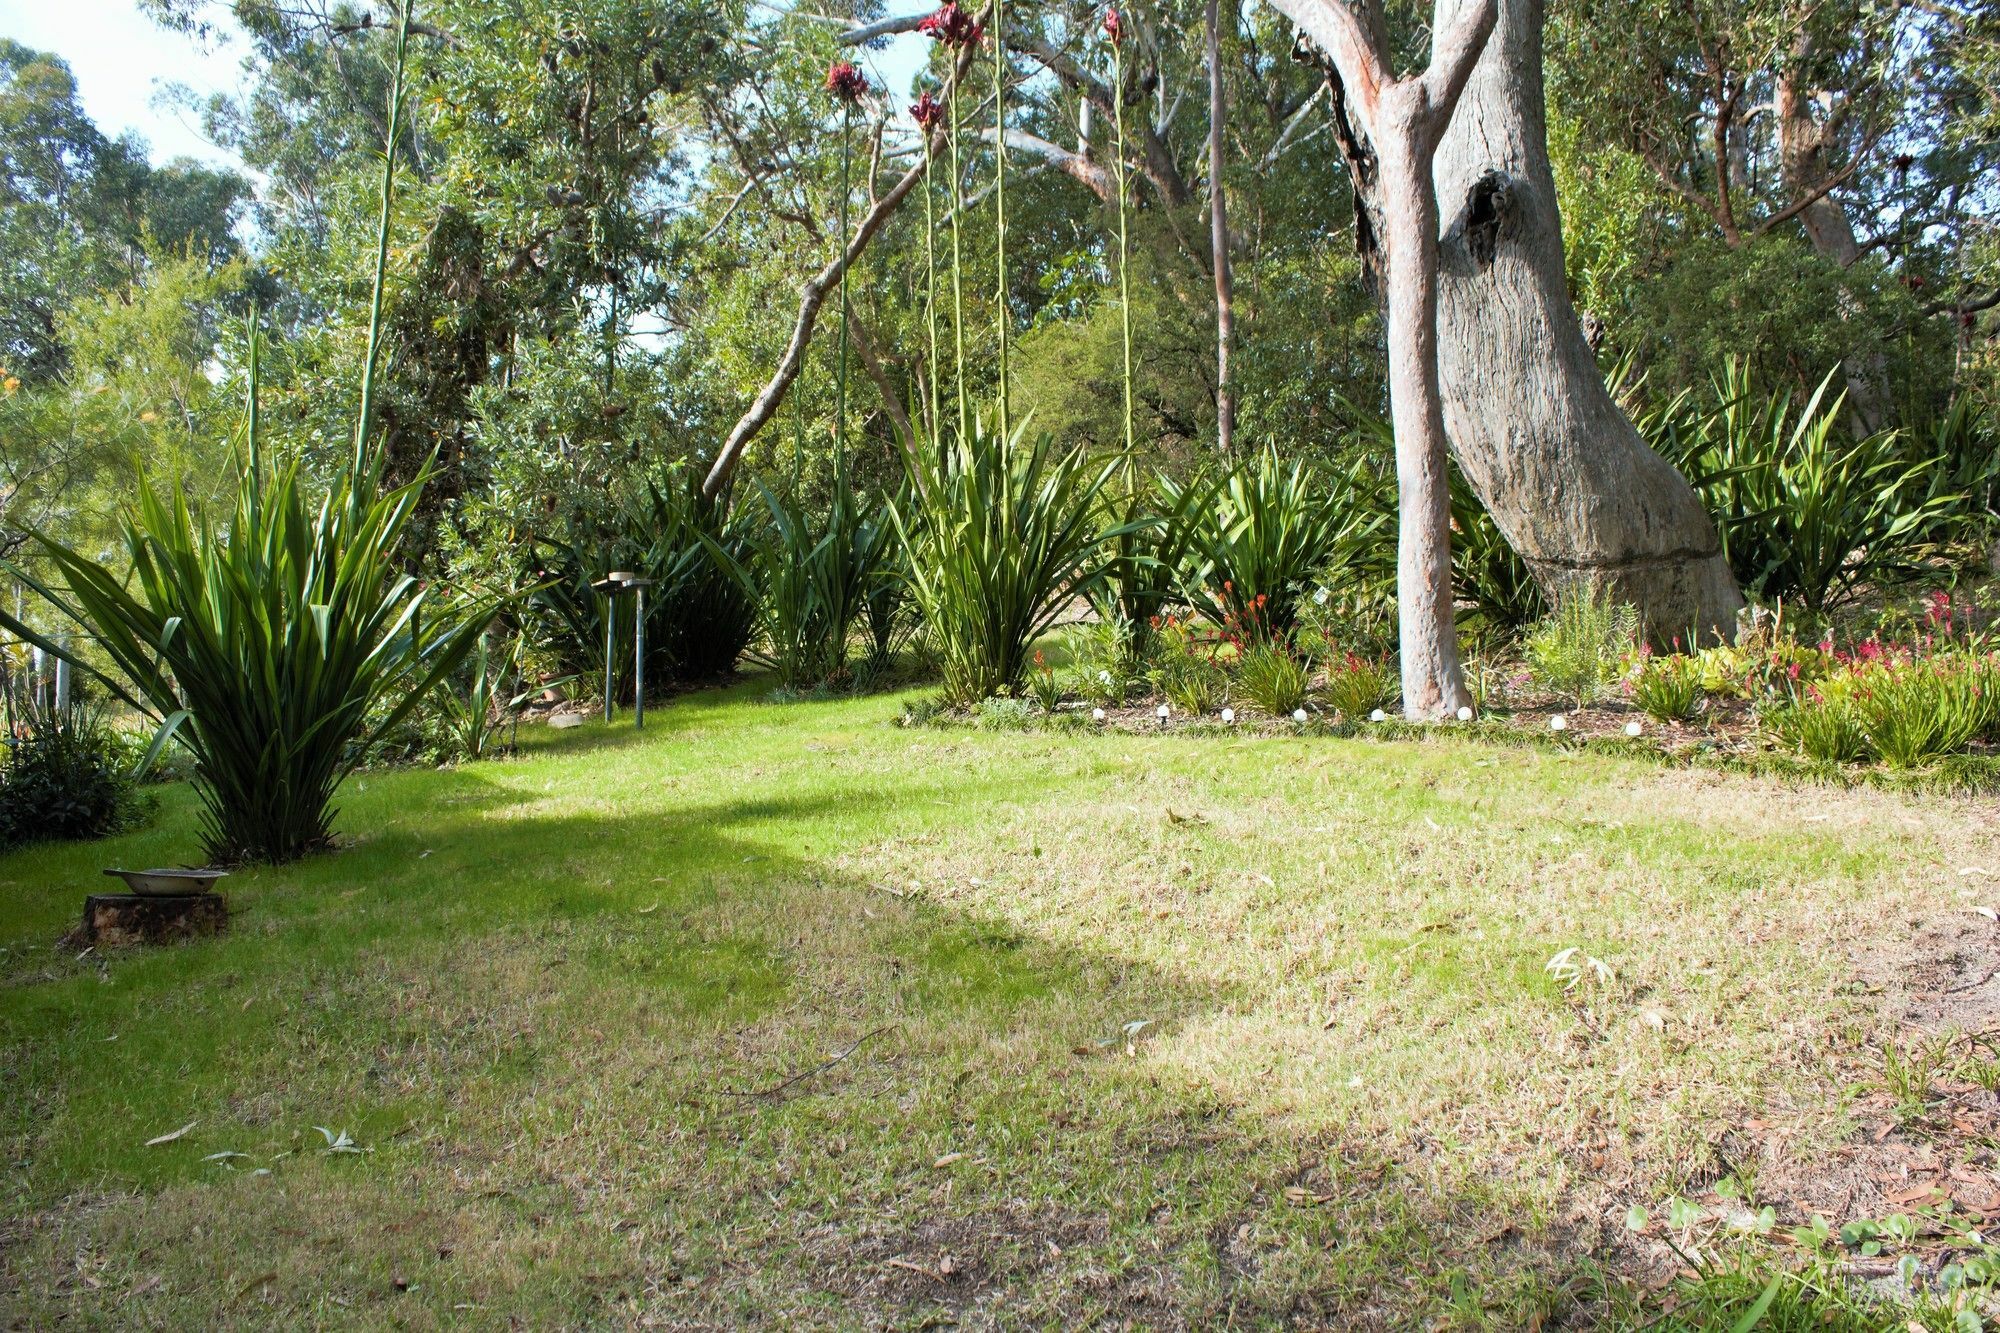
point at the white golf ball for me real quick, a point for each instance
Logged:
(1465, 713)
(1229, 715)
(1633, 729)
(1558, 723)
(1097, 715)
(1378, 716)
(1298, 715)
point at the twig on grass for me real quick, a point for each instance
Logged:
(803, 1075)
(1991, 973)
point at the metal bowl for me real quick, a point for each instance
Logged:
(181, 883)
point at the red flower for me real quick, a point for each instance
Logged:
(952, 25)
(1113, 26)
(845, 81)
(927, 111)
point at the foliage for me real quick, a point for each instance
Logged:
(1667, 687)
(1824, 729)
(1356, 685)
(1153, 525)
(62, 778)
(1044, 686)
(475, 711)
(1802, 511)
(1915, 709)
(1275, 678)
(1576, 649)
(1103, 662)
(1270, 530)
(1186, 670)
(809, 577)
(1001, 534)
(700, 615)
(265, 645)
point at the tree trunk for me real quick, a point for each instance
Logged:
(1390, 129)
(1225, 300)
(1433, 681)
(1803, 163)
(1569, 481)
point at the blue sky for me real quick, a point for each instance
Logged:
(122, 61)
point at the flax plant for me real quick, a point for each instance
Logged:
(278, 647)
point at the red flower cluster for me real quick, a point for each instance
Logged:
(1113, 26)
(953, 25)
(845, 81)
(1243, 622)
(927, 111)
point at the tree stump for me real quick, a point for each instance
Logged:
(116, 920)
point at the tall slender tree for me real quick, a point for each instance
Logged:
(1402, 120)
(1218, 225)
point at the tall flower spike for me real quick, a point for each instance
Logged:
(1113, 26)
(845, 81)
(952, 25)
(927, 111)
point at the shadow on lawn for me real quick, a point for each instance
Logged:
(499, 996)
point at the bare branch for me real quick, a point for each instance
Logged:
(813, 293)
(1357, 44)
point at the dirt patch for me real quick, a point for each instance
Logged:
(963, 1266)
(1945, 978)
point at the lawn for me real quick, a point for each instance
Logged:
(787, 1014)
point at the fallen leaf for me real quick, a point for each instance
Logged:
(169, 1138)
(1913, 1193)
(946, 1160)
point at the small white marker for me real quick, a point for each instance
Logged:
(1558, 723)
(1097, 715)
(1633, 729)
(1161, 712)
(1228, 716)
(1465, 713)
(1378, 716)
(1298, 715)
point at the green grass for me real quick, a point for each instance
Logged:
(533, 989)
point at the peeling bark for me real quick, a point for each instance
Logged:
(1569, 481)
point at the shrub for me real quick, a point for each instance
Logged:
(1000, 713)
(1270, 531)
(809, 580)
(700, 617)
(1000, 535)
(1274, 678)
(1667, 688)
(276, 649)
(1043, 686)
(1356, 686)
(1826, 729)
(1103, 663)
(1153, 525)
(62, 779)
(1575, 650)
(1914, 710)
(1803, 511)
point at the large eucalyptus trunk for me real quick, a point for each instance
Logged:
(1567, 478)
